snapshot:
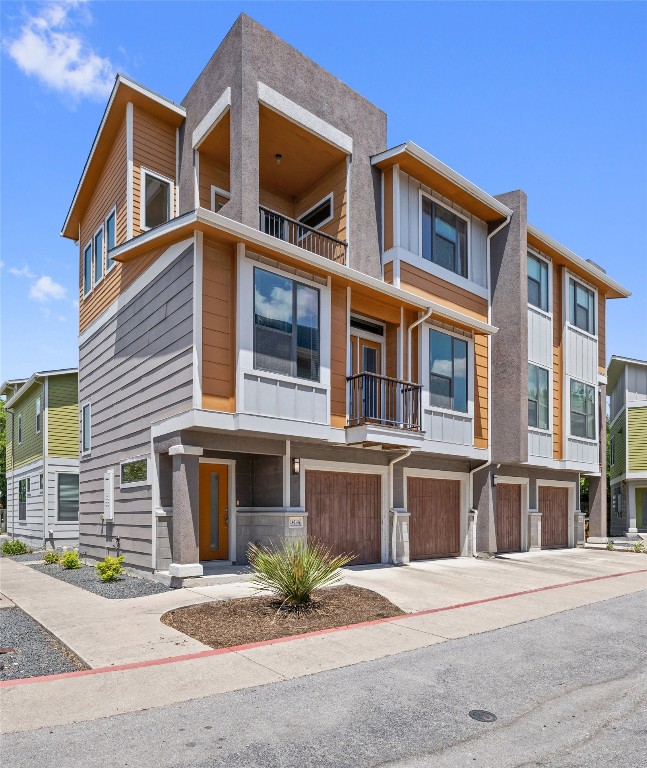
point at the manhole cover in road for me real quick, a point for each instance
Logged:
(482, 715)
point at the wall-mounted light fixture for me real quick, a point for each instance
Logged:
(296, 466)
(494, 480)
(278, 157)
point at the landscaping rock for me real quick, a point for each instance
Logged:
(87, 578)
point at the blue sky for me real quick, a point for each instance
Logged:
(547, 97)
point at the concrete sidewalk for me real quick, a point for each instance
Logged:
(87, 696)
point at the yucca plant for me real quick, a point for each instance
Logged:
(638, 547)
(295, 570)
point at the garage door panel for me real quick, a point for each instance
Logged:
(553, 505)
(508, 517)
(434, 523)
(344, 512)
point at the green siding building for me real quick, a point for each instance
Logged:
(627, 383)
(43, 458)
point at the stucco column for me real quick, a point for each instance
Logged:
(186, 554)
(632, 517)
(485, 520)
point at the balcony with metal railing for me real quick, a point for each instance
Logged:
(292, 231)
(380, 400)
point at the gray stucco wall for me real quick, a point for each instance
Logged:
(249, 54)
(137, 366)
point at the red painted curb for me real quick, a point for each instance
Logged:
(260, 644)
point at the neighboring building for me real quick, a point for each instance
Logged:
(43, 458)
(285, 329)
(628, 445)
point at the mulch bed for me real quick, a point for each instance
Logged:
(254, 619)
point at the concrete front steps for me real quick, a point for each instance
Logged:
(619, 542)
(213, 574)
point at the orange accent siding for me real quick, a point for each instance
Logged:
(379, 309)
(423, 284)
(388, 209)
(391, 350)
(218, 326)
(276, 202)
(338, 336)
(334, 182)
(557, 361)
(214, 174)
(388, 273)
(480, 392)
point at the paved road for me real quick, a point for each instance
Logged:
(568, 690)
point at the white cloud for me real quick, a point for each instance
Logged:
(45, 289)
(24, 271)
(49, 48)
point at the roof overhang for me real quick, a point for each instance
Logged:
(543, 242)
(203, 220)
(427, 169)
(124, 91)
(32, 380)
(616, 367)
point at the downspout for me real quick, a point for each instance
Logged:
(417, 322)
(13, 480)
(405, 455)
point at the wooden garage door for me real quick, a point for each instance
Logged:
(553, 505)
(508, 517)
(435, 521)
(344, 513)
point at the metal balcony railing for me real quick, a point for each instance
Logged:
(292, 231)
(378, 399)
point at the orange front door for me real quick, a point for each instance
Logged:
(214, 512)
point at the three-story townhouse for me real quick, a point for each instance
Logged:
(284, 327)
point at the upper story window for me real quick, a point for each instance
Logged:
(318, 215)
(38, 415)
(444, 237)
(219, 198)
(87, 269)
(19, 428)
(582, 410)
(67, 497)
(111, 238)
(286, 326)
(537, 397)
(157, 192)
(448, 371)
(85, 428)
(98, 255)
(537, 282)
(612, 451)
(582, 307)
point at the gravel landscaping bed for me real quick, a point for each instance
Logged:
(254, 619)
(34, 652)
(87, 578)
(30, 558)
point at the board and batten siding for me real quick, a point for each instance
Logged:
(637, 439)
(636, 383)
(618, 395)
(63, 416)
(134, 370)
(410, 227)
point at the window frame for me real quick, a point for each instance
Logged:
(468, 235)
(546, 430)
(58, 506)
(90, 283)
(99, 230)
(142, 196)
(85, 451)
(329, 196)
(22, 504)
(109, 262)
(469, 373)
(39, 416)
(531, 253)
(593, 439)
(612, 451)
(136, 483)
(19, 427)
(574, 280)
(218, 191)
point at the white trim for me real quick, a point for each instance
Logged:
(19, 428)
(425, 373)
(367, 334)
(549, 371)
(397, 213)
(39, 412)
(549, 288)
(572, 505)
(198, 267)
(218, 191)
(86, 451)
(65, 471)
(231, 500)
(468, 235)
(143, 172)
(133, 290)
(212, 118)
(109, 264)
(437, 474)
(96, 282)
(297, 114)
(185, 450)
(301, 216)
(315, 465)
(566, 287)
(349, 161)
(176, 202)
(91, 247)
(129, 173)
(524, 482)
(196, 178)
(137, 483)
(45, 473)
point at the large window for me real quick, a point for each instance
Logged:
(444, 237)
(111, 238)
(67, 497)
(537, 282)
(85, 428)
(286, 326)
(87, 269)
(582, 410)
(448, 371)
(22, 499)
(157, 193)
(537, 397)
(98, 255)
(582, 309)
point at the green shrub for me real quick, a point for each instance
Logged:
(110, 568)
(295, 571)
(15, 547)
(51, 558)
(610, 545)
(70, 561)
(639, 547)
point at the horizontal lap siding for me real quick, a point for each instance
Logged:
(637, 439)
(423, 284)
(211, 174)
(31, 446)
(63, 416)
(334, 182)
(153, 148)
(481, 391)
(135, 370)
(276, 202)
(218, 326)
(338, 353)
